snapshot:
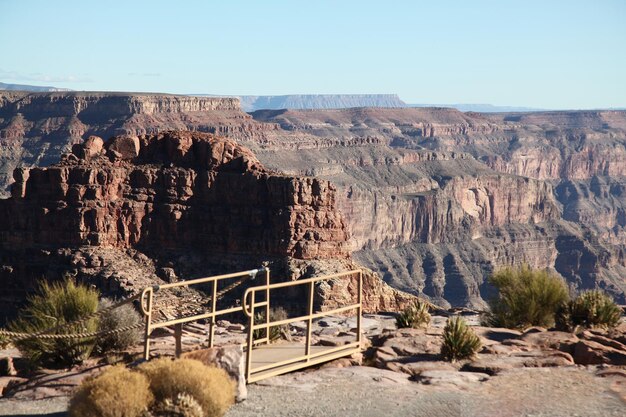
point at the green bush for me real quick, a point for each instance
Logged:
(119, 317)
(526, 297)
(590, 309)
(117, 392)
(416, 315)
(211, 387)
(459, 340)
(57, 304)
(276, 332)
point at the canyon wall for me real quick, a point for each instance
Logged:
(433, 199)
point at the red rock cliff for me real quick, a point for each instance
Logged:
(170, 191)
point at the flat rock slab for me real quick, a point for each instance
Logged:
(451, 377)
(493, 364)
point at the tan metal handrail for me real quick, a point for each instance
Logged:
(309, 358)
(146, 301)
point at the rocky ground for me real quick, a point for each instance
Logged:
(532, 373)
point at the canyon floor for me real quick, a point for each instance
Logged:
(516, 373)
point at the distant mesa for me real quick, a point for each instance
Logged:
(33, 88)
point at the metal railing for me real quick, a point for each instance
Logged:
(147, 296)
(248, 306)
(309, 358)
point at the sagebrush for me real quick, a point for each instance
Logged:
(56, 304)
(416, 315)
(526, 297)
(117, 392)
(120, 317)
(590, 309)
(459, 340)
(211, 387)
(184, 405)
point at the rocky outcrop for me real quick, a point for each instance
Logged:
(172, 190)
(36, 128)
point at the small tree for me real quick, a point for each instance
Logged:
(55, 305)
(527, 297)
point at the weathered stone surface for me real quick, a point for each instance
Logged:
(451, 378)
(494, 364)
(124, 147)
(229, 358)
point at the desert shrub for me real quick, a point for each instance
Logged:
(459, 340)
(416, 315)
(57, 304)
(526, 297)
(117, 392)
(184, 405)
(590, 309)
(276, 332)
(4, 342)
(123, 316)
(211, 387)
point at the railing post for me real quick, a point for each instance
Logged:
(360, 309)
(178, 335)
(309, 325)
(267, 306)
(148, 318)
(213, 307)
(250, 337)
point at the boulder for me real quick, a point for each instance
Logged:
(127, 147)
(454, 378)
(588, 352)
(230, 358)
(93, 146)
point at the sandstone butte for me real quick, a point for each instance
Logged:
(169, 194)
(432, 199)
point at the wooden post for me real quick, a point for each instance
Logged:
(267, 306)
(213, 307)
(309, 325)
(250, 337)
(360, 309)
(148, 317)
(178, 335)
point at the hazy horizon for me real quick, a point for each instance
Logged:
(561, 55)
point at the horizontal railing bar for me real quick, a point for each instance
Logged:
(210, 279)
(304, 357)
(196, 317)
(301, 318)
(298, 365)
(302, 281)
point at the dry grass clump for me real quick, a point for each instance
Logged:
(459, 340)
(591, 309)
(117, 392)
(211, 387)
(527, 297)
(414, 316)
(55, 305)
(119, 317)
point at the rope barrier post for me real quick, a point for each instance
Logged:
(267, 305)
(359, 324)
(309, 324)
(178, 336)
(213, 307)
(250, 337)
(147, 311)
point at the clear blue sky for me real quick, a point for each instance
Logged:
(548, 53)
